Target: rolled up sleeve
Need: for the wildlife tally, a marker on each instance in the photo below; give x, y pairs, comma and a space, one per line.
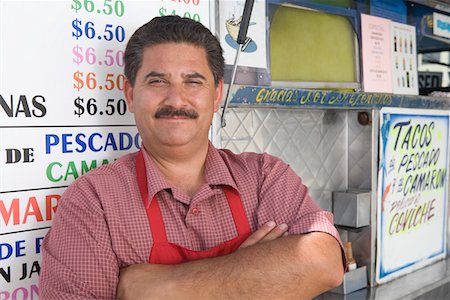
77, 258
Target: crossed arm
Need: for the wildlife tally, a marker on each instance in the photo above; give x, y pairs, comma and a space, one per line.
269, 265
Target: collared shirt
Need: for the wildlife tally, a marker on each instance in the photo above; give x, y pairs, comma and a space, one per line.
101, 224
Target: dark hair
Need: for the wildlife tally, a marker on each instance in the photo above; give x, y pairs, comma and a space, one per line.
170, 29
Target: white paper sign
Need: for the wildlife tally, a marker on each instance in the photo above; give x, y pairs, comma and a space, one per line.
376, 54
254, 52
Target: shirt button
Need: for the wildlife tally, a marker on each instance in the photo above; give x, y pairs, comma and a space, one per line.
195, 211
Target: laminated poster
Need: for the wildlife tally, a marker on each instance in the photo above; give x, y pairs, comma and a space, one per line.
412, 190
404, 59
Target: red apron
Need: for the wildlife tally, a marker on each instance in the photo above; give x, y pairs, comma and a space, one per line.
166, 253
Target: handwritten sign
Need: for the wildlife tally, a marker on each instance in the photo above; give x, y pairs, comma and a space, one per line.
263, 96
412, 190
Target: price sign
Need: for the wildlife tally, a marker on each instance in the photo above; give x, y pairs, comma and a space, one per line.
90, 107
109, 57
110, 82
109, 7
88, 30
66, 116
81, 57
197, 10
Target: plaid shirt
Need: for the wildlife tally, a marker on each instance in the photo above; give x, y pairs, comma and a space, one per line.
101, 223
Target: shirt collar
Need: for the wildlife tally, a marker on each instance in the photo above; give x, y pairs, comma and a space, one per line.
155, 180
216, 174
216, 170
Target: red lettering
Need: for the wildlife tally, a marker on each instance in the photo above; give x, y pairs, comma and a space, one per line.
51, 205
32, 210
13, 210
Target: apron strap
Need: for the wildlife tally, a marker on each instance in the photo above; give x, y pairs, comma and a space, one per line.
237, 210
152, 208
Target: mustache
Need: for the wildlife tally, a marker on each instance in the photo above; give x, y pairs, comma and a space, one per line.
172, 112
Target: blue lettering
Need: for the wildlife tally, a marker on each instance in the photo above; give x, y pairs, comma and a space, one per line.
91, 142
136, 141
80, 143
95, 142
66, 142
6, 250
443, 25
19, 247
50, 140
122, 137
9, 250
110, 142
38, 244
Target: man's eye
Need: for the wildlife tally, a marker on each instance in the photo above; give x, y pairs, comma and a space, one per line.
156, 81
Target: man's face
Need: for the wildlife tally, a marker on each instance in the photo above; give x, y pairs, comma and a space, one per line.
174, 96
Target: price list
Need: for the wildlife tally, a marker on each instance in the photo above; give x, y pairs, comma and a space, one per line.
62, 111
182, 10
98, 50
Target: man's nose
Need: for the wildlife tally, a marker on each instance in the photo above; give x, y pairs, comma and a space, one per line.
175, 95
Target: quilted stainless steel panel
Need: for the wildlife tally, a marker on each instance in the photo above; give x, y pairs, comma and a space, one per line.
313, 142
359, 152
328, 149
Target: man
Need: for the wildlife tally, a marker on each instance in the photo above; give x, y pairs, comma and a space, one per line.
182, 219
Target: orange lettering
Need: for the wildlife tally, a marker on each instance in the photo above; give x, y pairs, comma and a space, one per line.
32, 210
13, 210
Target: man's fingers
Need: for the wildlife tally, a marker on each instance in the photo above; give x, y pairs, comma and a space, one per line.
276, 232
259, 234
269, 231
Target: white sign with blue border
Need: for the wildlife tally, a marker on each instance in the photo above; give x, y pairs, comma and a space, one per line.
412, 190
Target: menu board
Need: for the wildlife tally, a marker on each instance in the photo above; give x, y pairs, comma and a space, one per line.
62, 111
412, 190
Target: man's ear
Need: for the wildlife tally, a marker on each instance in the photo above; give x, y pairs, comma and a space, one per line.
218, 95
128, 92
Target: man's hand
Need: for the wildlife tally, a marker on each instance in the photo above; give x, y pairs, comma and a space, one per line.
268, 232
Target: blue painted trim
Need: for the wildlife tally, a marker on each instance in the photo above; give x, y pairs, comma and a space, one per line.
266, 96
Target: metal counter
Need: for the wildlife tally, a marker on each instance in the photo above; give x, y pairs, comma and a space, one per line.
430, 283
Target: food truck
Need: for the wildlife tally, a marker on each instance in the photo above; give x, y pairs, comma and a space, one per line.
353, 94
